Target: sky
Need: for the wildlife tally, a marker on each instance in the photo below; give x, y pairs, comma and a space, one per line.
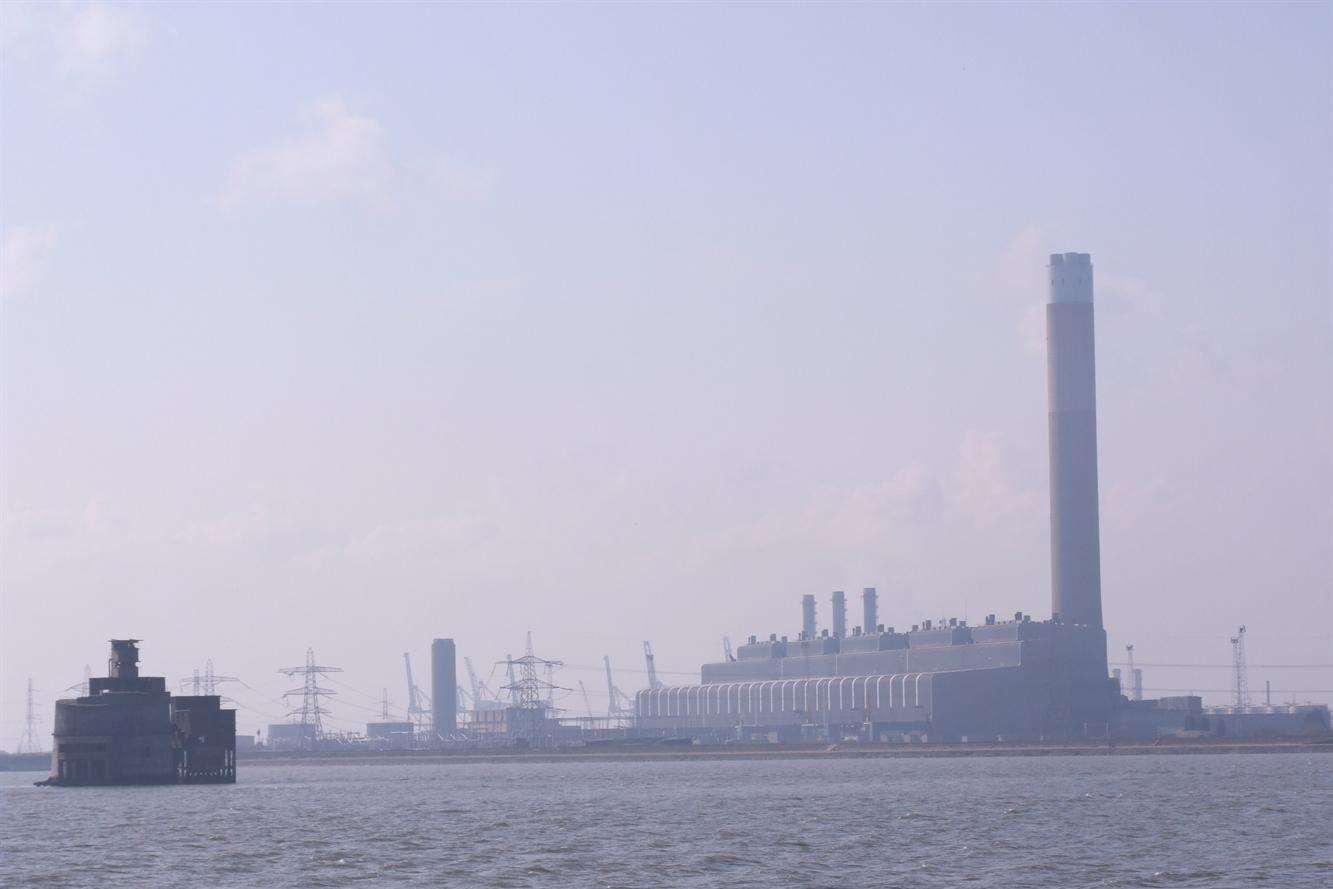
342, 327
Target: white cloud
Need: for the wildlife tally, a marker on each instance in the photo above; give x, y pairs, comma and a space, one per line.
459, 180
341, 155
60, 524
1124, 296
25, 254
982, 487
98, 39
1018, 271
345, 155
1018, 280
436, 535
84, 43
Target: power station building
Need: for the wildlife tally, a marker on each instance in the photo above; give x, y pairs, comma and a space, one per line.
945, 681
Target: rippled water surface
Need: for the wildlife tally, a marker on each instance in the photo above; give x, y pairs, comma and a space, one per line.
1079, 821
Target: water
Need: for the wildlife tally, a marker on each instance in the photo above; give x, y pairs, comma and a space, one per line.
1060, 821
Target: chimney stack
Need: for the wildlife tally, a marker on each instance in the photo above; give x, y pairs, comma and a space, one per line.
1076, 586
808, 616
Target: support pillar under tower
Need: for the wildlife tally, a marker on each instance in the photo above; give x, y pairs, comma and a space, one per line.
1076, 586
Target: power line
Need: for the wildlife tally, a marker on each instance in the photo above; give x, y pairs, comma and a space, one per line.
1285, 691
1231, 666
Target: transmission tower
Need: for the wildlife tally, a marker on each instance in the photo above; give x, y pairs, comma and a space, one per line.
206, 682
310, 714
532, 695
82, 688
653, 681
29, 742
1240, 681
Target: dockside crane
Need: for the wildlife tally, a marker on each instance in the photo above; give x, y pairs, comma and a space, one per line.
619, 704
481, 692
653, 681
418, 714
587, 702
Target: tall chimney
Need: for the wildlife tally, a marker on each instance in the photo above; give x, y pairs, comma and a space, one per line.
870, 609
808, 616
443, 688
839, 614
1071, 386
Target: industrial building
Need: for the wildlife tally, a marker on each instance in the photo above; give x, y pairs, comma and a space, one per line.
129, 730
945, 681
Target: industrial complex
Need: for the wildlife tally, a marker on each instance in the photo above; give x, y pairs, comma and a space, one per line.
1015, 678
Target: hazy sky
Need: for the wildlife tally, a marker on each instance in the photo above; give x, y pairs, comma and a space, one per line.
345, 327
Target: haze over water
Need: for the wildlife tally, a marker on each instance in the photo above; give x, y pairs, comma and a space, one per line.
349, 326
1216, 821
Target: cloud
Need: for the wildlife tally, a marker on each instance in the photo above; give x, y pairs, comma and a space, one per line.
84, 43
459, 180
1120, 295
61, 524
983, 489
98, 39
341, 155
436, 535
1017, 278
979, 490
25, 254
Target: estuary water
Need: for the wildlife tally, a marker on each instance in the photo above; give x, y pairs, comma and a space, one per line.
1210, 820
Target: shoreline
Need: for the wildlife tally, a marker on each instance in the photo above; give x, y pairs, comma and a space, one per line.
744, 753
768, 752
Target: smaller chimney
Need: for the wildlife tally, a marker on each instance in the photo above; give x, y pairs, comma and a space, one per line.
839, 614
808, 616
870, 608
